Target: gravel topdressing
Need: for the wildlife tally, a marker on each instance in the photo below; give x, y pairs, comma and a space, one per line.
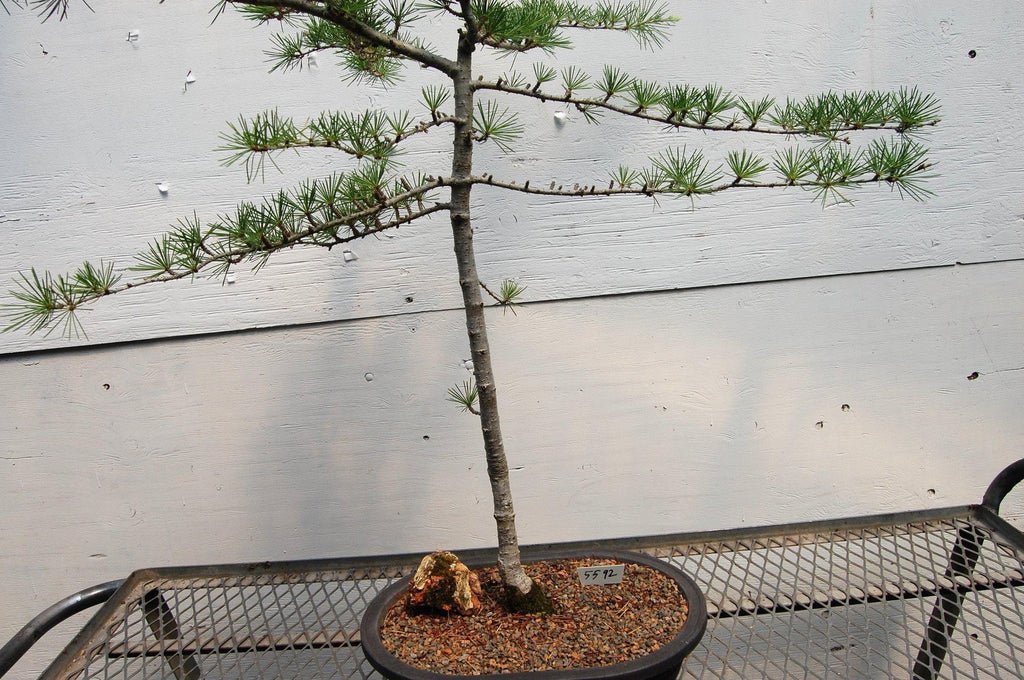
592, 625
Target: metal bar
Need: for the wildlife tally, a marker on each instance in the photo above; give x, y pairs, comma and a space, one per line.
1003, 533
75, 656
23, 640
898, 592
396, 565
946, 612
238, 645
1011, 476
161, 621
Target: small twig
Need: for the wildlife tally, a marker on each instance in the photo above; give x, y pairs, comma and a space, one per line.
491, 293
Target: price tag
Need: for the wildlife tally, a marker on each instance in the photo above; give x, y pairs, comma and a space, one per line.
601, 574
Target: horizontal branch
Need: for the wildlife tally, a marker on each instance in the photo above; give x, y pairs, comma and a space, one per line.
238, 255
578, 191
384, 226
658, 111
46, 301
372, 135
329, 11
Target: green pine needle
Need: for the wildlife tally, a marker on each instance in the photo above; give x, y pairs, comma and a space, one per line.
680, 101
497, 124
903, 163
465, 395
685, 174
644, 94
613, 82
515, 80
46, 302
625, 177
713, 103
755, 110
510, 291
793, 164
91, 281
542, 73
745, 166
573, 79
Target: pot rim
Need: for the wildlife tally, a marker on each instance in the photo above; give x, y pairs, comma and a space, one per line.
668, 655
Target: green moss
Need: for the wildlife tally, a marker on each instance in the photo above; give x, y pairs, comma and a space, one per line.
533, 602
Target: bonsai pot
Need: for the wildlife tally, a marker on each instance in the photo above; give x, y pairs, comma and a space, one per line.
662, 664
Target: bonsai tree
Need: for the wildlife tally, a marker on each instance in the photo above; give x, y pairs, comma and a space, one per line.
376, 40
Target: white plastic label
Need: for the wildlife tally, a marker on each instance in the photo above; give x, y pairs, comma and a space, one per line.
601, 574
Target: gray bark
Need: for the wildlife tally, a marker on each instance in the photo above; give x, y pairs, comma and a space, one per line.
509, 565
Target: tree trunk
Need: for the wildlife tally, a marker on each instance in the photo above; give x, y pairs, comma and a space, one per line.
520, 587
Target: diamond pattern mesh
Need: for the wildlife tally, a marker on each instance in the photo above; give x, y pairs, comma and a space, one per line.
851, 603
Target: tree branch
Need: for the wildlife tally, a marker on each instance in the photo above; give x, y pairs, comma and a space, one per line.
46, 300
237, 255
472, 26
644, 190
425, 125
328, 12
373, 231
491, 293
585, 104
372, 134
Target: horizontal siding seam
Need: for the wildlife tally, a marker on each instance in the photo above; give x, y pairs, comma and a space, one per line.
22, 354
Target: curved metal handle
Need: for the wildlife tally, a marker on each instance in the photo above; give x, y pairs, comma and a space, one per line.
50, 617
1003, 484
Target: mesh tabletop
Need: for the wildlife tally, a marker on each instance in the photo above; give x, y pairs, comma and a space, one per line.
850, 599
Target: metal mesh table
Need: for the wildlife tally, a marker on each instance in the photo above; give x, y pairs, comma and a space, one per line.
934, 594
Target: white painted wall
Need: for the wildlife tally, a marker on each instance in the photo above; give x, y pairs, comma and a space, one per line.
624, 415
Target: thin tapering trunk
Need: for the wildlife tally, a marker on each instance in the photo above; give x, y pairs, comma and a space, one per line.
509, 564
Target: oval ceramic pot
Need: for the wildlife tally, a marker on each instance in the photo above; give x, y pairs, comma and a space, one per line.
663, 664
